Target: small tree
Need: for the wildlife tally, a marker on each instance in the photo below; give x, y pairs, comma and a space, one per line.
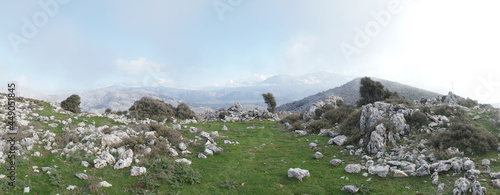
270, 101
72, 104
108, 110
372, 91
184, 112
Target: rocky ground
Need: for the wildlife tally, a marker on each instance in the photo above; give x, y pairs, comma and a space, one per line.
75, 152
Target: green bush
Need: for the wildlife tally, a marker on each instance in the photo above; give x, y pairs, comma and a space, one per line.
72, 104
397, 100
318, 112
153, 109
466, 137
223, 114
173, 136
350, 127
291, 118
108, 110
417, 118
164, 170
184, 112
469, 103
372, 91
444, 110
270, 101
338, 115
316, 126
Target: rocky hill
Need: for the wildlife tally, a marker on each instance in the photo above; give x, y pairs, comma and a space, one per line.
349, 92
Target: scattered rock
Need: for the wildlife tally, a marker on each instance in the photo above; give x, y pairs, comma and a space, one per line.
71, 187
202, 156
224, 128
339, 140
350, 189
104, 184
26, 190
468, 165
298, 173
477, 189
353, 168
300, 133
172, 152
318, 155
82, 176
381, 171
336, 162
85, 163
399, 173
496, 183
462, 186
183, 160
440, 187
136, 171
182, 146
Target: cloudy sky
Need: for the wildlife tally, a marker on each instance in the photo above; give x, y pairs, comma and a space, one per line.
68, 45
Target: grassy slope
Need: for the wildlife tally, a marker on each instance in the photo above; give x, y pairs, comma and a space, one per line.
260, 162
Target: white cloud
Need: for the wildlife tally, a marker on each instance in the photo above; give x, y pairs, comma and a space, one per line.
299, 54
248, 81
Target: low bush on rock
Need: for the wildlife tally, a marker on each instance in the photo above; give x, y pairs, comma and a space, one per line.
417, 118
338, 115
350, 127
466, 137
184, 112
316, 126
165, 170
469, 103
291, 118
173, 136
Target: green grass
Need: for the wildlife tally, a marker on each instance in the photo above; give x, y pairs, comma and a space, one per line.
258, 165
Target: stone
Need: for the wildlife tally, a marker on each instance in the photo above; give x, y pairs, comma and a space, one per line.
176, 127
298, 173
109, 140
136, 171
37, 154
26, 190
313, 146
443, 167
422, 171
193, 130
318, 155
377, 141
182, 146
104, 184
110, 159
461, 186
208, 152
125, 159
468, 165
172, 152
214, 148
350, 189
335, 162
224, 128
477, 189
399, 173
339, 140
369, 163
435, 178
486, 163
495, 175
85, 163
381, 171
202, 156
71, 187
353, 168
183, 160
496, 183
300, 133
82, 176
399, 122
440, 187
214, 134
99, 163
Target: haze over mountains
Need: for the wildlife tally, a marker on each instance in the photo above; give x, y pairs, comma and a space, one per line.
286, 88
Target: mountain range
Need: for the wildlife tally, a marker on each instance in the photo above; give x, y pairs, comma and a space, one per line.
350, 93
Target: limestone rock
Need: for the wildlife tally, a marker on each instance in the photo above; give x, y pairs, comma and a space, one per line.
462, 186
82, 176
350, 189
318, 155
136, 171
381, 171
339, 140
183, 160
182, 146
224, 128
104, 184
336, 162
298, 173
353, 168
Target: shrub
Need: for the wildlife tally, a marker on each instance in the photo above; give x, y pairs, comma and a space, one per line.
318, 112
172, 135
316, 126
467, 103
270, 101
291, 118
151, 108
72, 104
165, 170
338, 115
108, 110
350, 127
417, 118
372, 91
403, 101
444, 110
223, 114
184, 112
466, 137
66, 138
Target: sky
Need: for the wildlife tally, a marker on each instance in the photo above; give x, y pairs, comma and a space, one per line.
56, 46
